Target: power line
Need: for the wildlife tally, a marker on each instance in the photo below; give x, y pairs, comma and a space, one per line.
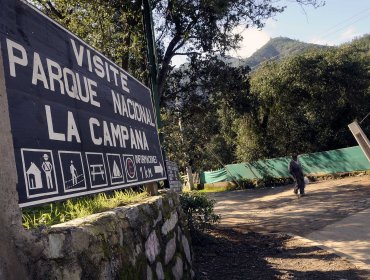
333, 30
330, 31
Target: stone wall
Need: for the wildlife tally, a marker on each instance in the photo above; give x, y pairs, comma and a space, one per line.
142, 241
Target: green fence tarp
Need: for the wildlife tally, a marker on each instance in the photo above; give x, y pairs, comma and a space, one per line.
335, 161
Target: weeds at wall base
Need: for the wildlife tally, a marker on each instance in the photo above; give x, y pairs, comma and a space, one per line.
60, 212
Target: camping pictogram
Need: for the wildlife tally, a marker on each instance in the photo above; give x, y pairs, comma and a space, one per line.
115, 169
116, 172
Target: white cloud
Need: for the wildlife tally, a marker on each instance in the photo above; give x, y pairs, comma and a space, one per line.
177, 60
321, 41
253, 39
349, 34
336, 37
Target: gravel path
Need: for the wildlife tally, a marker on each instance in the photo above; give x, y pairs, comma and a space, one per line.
279, 210
232, 254
252, 241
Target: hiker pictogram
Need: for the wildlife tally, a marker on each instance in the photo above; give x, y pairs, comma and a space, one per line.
72, 170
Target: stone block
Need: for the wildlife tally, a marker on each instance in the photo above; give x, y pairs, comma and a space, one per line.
55, 248
121, 212
138, 250
145, 229
170, 202
177, 269
170, 223
105, 272
149, 273
159, 271
120, 233
179, 234
186, 247
152, 247
192, 274
96, 252
132, 216
159, 219
170, 250
159, 203
177, 199
147, 209
80, 240
105, 222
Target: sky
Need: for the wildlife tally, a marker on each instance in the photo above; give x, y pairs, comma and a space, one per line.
337, 22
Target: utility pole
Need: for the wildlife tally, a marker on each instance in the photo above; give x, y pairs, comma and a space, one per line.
153, 69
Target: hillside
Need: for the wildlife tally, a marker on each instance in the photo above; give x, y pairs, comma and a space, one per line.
362, 43
278, 48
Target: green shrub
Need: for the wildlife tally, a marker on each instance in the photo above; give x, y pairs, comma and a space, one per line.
199, 210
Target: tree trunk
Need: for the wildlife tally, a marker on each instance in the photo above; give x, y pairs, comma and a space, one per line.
190, 177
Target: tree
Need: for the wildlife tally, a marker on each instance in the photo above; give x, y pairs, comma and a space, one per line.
183, 27
202, 100
113, 27
304, 103
194, 28
201, 30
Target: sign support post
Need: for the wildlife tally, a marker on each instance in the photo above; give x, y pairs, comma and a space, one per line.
10, 214
153, 67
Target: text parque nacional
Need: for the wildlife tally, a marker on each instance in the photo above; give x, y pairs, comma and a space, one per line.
55, 78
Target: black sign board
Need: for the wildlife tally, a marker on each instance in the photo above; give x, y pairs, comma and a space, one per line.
173, 175
80, 124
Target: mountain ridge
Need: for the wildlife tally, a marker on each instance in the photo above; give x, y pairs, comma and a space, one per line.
277, 48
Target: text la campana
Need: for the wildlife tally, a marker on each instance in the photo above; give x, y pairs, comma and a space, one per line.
84, 89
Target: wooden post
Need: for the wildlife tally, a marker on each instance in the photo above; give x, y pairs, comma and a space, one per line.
11, 229
151, 188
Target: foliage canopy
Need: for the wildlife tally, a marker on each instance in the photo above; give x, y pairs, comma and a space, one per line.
300, 104
186, 27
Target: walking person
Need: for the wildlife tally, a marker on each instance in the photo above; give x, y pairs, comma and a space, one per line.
295, 169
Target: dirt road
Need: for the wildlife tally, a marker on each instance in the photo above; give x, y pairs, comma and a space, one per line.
251, 242
279, 210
